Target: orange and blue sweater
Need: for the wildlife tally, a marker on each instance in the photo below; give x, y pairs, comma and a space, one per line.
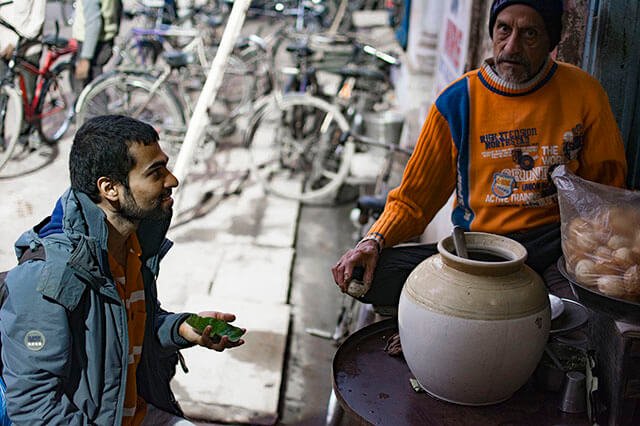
496, 144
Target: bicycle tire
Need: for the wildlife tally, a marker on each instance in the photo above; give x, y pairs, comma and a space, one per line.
11, 114
133, 94
305, 146
235, 92
54, 111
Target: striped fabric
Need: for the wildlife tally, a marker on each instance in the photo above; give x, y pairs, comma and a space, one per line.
496, 143
131, 289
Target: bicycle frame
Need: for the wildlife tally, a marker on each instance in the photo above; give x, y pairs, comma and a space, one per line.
52, 55
21, 63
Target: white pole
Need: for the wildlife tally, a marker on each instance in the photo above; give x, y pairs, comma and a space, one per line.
200, 118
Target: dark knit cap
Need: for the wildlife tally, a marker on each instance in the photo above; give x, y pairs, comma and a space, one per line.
550, 10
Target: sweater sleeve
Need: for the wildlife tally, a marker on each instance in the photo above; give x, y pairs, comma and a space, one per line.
427, 183
603, 158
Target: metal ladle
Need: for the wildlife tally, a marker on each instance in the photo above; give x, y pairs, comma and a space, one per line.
459, 242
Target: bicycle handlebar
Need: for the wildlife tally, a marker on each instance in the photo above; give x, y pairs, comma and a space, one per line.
374, 142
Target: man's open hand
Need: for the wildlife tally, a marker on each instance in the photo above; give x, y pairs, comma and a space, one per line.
215, 342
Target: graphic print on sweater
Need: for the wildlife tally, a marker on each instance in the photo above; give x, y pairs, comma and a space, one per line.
526, 182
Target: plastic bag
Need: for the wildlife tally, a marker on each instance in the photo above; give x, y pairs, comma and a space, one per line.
600, 227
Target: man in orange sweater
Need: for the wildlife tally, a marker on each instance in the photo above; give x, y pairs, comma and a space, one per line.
495, 135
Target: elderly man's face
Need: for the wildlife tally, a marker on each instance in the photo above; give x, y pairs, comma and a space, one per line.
520, 43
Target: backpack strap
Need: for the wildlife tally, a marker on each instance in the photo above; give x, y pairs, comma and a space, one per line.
37, 254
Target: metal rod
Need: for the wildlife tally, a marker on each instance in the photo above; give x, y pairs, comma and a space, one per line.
459, 242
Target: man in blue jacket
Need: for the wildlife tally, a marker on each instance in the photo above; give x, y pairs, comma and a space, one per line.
84, 339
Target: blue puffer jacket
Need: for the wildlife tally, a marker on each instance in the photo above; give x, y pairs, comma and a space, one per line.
64, 327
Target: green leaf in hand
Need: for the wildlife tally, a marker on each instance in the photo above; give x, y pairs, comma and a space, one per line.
218, 327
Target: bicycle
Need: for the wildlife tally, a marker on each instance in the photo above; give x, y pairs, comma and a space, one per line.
157, 28
143, 47
298, 143
50, 110
308, 15
160, 100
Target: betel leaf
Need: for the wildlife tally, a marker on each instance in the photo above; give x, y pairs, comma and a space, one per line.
218, 327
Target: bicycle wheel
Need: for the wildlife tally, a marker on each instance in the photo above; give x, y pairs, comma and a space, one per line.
54, 111
296, 148
135, 95
235, 91
10, 122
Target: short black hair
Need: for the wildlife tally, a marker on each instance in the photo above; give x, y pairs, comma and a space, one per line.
101, 148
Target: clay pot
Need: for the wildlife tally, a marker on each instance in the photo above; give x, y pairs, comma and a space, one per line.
473, 331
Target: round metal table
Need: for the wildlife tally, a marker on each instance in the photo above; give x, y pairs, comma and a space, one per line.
373, 388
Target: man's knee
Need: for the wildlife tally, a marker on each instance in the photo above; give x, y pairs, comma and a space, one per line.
393, 269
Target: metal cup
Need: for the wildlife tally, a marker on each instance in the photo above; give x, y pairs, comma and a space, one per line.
574, 393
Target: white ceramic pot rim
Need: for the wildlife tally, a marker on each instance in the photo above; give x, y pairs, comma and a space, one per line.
498, 245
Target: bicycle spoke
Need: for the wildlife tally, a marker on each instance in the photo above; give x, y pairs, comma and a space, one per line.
298, 140
55, 107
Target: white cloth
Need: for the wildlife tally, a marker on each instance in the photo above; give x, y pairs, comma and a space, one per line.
27, 16
158, 417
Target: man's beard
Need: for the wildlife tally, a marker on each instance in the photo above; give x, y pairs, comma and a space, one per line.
130, 210
512, 76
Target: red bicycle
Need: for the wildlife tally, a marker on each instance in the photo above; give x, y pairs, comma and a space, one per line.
50, 110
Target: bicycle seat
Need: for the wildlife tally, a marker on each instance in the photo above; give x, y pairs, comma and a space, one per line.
362, 72
51, 40
372, 203
178, 59
301, 49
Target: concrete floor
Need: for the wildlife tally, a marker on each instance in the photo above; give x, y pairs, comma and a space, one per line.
324, 233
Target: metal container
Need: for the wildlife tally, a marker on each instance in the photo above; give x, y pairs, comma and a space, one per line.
384, 126
618, 309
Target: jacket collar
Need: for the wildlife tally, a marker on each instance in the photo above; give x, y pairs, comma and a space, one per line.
82, 223
78, 217
492, 81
